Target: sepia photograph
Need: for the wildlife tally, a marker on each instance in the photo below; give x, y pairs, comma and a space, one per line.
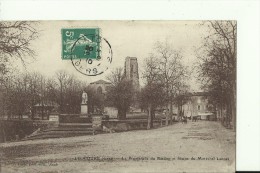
118, 96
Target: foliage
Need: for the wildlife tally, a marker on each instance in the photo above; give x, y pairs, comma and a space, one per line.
165, 67
116, 76
121, 93
121, 96
217, 66
15, 43
69, 92
153, 93
22, 92
95, 99
16, 38
165, 77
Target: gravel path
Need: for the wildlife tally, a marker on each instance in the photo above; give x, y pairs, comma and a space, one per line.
194, 147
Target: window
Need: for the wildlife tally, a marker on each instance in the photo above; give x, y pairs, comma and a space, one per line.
99, 90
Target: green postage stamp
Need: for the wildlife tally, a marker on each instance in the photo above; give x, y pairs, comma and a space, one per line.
81, 43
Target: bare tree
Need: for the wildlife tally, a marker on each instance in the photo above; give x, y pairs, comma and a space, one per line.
121, 93
70, 90
19, 92
153, 94
62, 78
217, 66
165, 79
73, 94
181, 98
116, 76
95, 99
35, 90
171, 71
15, 43
16, 38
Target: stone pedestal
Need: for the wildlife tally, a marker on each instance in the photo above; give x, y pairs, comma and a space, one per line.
54, 119
97, 123
84, 109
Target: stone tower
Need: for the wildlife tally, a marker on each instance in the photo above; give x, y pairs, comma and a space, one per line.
131, 71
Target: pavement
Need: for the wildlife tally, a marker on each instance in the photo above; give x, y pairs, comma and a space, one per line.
203, 146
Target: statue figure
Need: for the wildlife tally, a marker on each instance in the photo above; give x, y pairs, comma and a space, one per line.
84, 98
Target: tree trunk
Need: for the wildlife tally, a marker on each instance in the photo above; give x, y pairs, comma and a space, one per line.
4, 135
221, 112
181, 111
171, 111
167, 117
178, 112
233, 106
32, 111
121, 114
61, 98
149, 120
42, 111
151, 116
229, 111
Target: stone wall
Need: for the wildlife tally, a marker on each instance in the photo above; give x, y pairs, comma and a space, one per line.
13, 130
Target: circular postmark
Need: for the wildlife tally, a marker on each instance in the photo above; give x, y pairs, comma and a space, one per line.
102, 55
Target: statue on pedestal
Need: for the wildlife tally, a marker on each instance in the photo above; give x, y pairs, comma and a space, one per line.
84, 103
84, 98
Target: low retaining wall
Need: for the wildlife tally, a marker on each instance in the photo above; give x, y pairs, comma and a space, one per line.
44, 124
126, 125
14, 130
74, 118
11, 130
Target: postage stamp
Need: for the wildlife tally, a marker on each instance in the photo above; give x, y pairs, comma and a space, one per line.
81, 43
83, 46
126, 96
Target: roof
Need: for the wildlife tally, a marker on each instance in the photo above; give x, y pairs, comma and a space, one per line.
100, 82
133, 58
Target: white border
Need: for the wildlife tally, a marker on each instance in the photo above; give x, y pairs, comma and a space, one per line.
245, 12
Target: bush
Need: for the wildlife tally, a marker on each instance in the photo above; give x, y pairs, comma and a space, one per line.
9, 129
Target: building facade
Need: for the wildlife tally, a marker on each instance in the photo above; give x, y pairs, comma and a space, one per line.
197, 104
100, 86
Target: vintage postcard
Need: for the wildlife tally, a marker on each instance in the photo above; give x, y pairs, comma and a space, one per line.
118, 96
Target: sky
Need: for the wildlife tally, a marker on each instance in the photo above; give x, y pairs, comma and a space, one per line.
127, 38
